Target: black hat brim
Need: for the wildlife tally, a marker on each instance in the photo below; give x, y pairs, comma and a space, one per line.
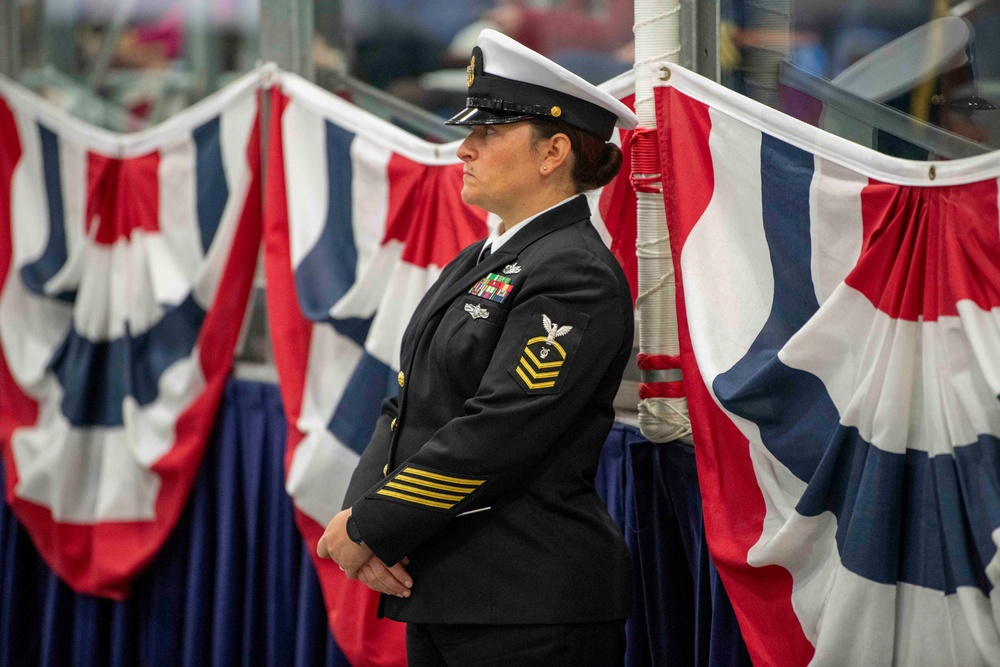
477, 116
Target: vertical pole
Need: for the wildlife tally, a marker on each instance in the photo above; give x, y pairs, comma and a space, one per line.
770, 21
200, 46
10, 38
663, 410
286, 32
700, 37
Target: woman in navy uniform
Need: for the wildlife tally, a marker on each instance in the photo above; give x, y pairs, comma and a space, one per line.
473, 508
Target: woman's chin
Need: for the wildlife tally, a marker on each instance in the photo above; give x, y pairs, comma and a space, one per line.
469, 195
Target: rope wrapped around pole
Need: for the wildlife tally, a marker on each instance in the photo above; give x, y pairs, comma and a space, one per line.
663, 414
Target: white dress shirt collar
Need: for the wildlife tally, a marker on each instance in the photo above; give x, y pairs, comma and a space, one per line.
495, 240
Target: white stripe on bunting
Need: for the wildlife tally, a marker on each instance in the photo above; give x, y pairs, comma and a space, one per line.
736, 199
834, 197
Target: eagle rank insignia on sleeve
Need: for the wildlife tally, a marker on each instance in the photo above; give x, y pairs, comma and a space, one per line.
543, 358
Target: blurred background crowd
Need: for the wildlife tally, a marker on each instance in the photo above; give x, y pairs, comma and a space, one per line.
126, 64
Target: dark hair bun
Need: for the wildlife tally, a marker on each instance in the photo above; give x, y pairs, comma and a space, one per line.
596, 161
602, 171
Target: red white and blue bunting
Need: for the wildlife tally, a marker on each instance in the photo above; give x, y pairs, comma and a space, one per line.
840, 326
125, 268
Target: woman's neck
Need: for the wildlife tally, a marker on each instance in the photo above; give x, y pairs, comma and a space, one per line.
525, 209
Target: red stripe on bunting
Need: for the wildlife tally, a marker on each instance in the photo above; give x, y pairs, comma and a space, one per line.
79, 553
920, 270
419, 197
684, 152
122, 195
291, 332
733, 506
18, 409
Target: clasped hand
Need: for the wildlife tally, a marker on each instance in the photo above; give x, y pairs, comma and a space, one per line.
358, 561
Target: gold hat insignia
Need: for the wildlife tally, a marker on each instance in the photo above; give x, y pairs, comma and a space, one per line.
470, 72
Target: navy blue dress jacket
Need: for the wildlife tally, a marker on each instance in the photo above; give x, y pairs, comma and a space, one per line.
481, 470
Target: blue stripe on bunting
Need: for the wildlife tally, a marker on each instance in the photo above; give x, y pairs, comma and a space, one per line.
328, 271
910, 517
975, 470
96, 377
353, 422
38, 273
759, 383
900, 517
354, 328
210, 176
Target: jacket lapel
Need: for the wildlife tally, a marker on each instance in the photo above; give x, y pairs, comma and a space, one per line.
466, 276
425, 310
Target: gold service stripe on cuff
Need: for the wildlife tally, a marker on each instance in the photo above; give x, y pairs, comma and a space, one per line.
433, 485
424, 492
414, 499
443, 478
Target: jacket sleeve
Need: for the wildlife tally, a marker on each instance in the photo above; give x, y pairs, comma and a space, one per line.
564, 334
369, 470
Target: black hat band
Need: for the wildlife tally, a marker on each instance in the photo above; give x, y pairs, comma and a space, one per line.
511, 107
508, 96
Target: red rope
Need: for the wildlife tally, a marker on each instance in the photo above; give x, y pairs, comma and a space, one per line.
657, 362
661, 390
645, 160
645, 151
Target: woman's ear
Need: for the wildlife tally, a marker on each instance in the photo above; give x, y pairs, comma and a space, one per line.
557, 150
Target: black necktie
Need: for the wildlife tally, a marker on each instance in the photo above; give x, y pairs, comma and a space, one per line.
486, 252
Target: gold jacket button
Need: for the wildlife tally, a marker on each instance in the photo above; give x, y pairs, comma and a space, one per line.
385, 470
401, 378
392, 424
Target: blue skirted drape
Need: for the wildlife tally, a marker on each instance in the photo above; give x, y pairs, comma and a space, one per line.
234, 586
680, 612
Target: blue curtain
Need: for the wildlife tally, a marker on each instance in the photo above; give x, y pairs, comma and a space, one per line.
680, 612
234, 586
